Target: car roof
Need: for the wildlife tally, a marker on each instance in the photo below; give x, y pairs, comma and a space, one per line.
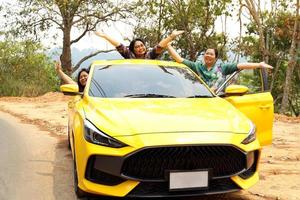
137, 62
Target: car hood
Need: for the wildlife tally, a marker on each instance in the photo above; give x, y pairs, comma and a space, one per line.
132, 116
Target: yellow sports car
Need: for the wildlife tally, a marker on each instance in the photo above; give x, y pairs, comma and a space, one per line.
149, 128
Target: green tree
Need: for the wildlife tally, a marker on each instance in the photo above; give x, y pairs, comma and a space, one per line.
34, 17
292, 62
196, 17
25, 70
277, 28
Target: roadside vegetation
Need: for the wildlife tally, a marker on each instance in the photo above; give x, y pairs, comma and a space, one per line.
268, 30
25, 69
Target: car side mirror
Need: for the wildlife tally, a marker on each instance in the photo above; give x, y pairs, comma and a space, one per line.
236, 90
70, 89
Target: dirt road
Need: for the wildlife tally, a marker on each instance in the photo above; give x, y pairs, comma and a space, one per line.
36, 164
33, 164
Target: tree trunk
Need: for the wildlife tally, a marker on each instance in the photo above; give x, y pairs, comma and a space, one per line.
255, 13
291, 65
66, 57
278, 63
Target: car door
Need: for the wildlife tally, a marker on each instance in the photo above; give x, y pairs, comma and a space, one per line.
256, 104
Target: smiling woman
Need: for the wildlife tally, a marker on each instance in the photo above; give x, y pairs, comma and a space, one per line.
81, 78
213, 74
137, 48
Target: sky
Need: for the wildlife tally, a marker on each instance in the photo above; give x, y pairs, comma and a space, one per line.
120, 30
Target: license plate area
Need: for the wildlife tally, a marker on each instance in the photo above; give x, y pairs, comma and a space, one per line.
188, 180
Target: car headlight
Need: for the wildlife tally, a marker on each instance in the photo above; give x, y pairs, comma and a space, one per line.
95, 136
251, 135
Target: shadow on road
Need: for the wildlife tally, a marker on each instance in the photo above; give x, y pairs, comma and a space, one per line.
63, 171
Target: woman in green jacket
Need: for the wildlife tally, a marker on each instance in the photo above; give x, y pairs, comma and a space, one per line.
213, 74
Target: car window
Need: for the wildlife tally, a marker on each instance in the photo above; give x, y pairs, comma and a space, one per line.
145, 81
254, 79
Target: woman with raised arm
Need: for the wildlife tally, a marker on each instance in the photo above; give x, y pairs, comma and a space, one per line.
137, 48
212, 73
81, 78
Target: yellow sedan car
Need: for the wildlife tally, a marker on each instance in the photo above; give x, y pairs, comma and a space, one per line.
149, 128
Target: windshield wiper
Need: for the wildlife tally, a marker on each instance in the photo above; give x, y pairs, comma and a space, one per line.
149, 96
200, 96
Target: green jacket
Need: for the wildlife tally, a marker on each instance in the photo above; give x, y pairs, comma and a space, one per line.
216, 75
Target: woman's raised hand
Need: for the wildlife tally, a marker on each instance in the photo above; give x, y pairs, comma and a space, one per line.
58, 66
100, 34
265, 65
175, 33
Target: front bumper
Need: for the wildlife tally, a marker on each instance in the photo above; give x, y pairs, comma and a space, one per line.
143, 173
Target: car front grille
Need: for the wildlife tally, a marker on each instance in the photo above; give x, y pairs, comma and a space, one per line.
153, 163
161, 189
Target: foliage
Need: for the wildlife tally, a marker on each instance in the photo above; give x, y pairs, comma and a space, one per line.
251, 79
278, 30
38, 18
157, 18
25, 70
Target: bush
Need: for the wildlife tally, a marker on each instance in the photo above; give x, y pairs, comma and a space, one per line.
25, 69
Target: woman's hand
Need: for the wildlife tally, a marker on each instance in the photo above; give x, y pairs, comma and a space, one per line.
213, 88
58, 66
175, 33
100, 34
265, 65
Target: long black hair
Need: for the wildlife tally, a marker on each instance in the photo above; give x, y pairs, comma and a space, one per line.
80, 86
132, 43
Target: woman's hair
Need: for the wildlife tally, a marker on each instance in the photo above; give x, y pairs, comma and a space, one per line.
216, 51
131, 45
80, 86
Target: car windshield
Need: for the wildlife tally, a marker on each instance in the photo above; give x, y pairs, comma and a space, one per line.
146, 81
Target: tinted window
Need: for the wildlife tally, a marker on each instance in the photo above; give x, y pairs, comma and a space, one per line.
252, 78
145, 81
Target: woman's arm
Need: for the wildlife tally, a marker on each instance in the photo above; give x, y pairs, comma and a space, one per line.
108, 38
254, 65
174, 54
164, 42
62, 75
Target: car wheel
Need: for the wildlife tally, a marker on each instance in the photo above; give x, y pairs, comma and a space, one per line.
69, 142
79, 192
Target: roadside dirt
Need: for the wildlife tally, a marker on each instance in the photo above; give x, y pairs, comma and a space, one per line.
279, 166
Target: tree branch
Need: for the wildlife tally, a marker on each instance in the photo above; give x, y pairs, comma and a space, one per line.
89, 56
81, 36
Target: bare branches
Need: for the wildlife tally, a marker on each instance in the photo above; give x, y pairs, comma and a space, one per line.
35, 17
82, 35
89, 56
256, 16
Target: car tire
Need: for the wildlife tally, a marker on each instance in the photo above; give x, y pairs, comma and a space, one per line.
69, 142
79, 192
